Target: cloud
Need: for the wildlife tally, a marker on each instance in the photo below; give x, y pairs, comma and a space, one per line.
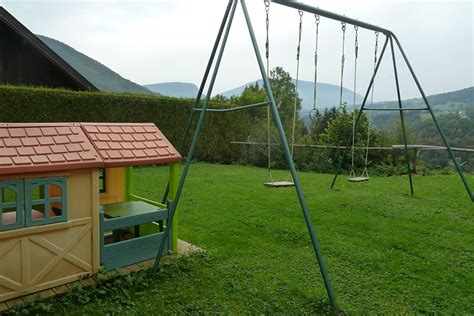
170, 40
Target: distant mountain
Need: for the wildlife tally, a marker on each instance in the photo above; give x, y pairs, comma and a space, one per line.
327, 95
460, 102
174, 89
99, 75
459, 96
443, 101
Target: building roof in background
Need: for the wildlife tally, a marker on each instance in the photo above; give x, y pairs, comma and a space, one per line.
47, 147
45, 50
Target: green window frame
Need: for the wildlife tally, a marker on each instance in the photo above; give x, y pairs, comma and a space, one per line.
17, 187
44, 200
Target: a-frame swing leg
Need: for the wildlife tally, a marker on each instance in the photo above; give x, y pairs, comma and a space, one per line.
299, 191
361, 110
402, 119
284, 143
189, 157
189, 124
441, 133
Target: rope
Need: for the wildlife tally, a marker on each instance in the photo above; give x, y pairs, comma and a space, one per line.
314, 112
342, 61
267, 55
366, 171
298, 50
356, 55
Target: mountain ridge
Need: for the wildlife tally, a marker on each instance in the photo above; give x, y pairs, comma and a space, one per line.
327, 96
176, 89
102, 77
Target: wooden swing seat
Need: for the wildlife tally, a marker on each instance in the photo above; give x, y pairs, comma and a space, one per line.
358, 179
279, 184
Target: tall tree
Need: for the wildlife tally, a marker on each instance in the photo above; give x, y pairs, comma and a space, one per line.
285, 93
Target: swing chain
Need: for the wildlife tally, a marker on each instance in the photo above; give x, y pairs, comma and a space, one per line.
314, 114
267, 55
343, 42
298, 50
317, 20
376, 47
356, 28
366, 162
356, 51
343, 58
267, 21
300, 12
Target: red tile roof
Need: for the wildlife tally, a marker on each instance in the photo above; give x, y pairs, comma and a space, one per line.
40, 147
26, 148
125, 144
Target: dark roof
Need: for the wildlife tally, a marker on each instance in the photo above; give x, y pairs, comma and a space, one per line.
46, 147
45, 50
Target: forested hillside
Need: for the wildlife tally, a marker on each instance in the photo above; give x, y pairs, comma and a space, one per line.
98, 74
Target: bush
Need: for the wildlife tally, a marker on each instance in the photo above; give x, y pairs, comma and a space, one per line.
25, 104
445, 171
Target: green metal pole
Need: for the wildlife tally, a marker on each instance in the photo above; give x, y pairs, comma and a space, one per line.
128, 183
441, 133
194, 142
402, 119
173, 185
349, 140
237, 108
299, 191
187, 130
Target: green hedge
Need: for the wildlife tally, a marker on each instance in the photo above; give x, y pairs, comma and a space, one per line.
25, 104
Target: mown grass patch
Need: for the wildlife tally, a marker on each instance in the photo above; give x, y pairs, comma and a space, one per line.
386, 251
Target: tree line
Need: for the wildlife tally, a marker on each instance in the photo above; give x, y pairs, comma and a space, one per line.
332, 127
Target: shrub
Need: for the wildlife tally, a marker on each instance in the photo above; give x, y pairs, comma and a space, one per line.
25, 104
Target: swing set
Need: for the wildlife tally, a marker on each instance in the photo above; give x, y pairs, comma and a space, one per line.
219, 47
314, 112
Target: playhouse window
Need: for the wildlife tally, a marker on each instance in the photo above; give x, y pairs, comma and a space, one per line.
102, 180
45, 201
11, 204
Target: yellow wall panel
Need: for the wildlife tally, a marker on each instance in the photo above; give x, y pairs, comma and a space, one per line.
114, 187
37, 258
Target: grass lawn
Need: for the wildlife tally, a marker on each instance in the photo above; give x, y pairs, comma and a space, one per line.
386, 251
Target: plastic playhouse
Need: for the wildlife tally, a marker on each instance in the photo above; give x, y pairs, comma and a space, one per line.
67, 203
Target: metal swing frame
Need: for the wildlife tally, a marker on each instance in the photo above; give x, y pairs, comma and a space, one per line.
389, 37
221, 40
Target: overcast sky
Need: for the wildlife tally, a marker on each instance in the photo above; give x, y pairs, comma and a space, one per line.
170, 40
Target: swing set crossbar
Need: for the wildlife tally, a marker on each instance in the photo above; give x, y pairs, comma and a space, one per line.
238, 108
331, 15
397, 110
